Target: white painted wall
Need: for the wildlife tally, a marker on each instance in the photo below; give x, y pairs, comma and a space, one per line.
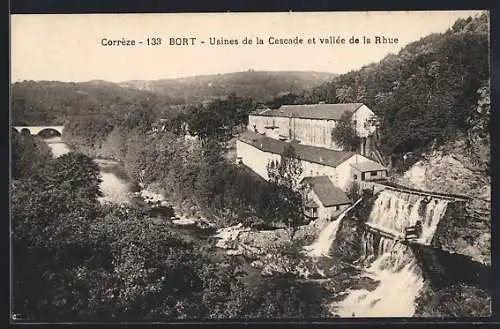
255, 158
316, 169
310, 131
344, 171
314, 132
362, 116
260, 122
258, 160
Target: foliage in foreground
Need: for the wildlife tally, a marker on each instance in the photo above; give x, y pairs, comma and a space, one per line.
458, 300
75, 260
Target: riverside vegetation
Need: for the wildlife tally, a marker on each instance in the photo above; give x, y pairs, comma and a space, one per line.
75, 258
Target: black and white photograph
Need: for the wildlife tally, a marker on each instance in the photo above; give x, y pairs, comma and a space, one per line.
291, 166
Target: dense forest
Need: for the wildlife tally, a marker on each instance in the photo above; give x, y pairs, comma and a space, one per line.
191, 172
52, 102
78, 260
432, 91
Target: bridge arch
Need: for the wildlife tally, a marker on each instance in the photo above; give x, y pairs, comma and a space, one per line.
25, 131
49, 132
40, 130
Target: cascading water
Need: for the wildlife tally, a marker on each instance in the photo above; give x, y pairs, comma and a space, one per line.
390, 263
321, 246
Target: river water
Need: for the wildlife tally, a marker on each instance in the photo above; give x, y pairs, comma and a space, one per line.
392, 265
114, 189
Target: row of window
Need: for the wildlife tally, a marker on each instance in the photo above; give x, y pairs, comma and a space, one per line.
313, 212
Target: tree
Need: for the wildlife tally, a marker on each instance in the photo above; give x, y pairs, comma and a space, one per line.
353, 190
344, 133
285, 175
29, 156
51, 218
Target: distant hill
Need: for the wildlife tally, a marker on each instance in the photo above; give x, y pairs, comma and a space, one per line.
258, 85
52, 102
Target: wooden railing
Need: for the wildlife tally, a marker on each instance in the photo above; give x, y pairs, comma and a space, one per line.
410, 190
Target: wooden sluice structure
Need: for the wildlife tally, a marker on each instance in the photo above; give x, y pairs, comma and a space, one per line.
412, 233
409, 190
396, 236
380, 231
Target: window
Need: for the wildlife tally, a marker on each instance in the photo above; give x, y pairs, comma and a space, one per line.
311, 212
373, 173
355, 176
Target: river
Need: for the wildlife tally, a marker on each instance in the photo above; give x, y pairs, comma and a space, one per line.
113, 188
392, 266
116, 189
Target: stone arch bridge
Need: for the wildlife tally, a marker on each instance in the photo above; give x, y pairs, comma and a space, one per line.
36, 130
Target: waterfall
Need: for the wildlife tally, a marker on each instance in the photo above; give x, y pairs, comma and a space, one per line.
393, 211
321, 247
390, 263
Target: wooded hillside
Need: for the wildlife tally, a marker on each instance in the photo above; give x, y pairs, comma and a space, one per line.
52, 102
432, 90
259, 85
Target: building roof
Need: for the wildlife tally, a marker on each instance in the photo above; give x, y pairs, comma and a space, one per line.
308, 153
327, 193
313, 111
368, 165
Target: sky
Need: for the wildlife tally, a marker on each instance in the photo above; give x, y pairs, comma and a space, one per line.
69, 47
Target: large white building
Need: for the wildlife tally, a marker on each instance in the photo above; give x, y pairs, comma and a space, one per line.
312, 124
326, 169
256, 151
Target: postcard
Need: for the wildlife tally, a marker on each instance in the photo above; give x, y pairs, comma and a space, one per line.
290, 166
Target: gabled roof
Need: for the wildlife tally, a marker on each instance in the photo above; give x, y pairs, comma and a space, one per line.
368, 165
308, 153
313, 111
327, 193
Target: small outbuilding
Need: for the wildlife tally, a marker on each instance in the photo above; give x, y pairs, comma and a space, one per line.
324, 199
368, 170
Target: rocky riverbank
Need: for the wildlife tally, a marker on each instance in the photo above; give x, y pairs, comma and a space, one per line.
271, 251
146, 198
465, 229
450, 169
